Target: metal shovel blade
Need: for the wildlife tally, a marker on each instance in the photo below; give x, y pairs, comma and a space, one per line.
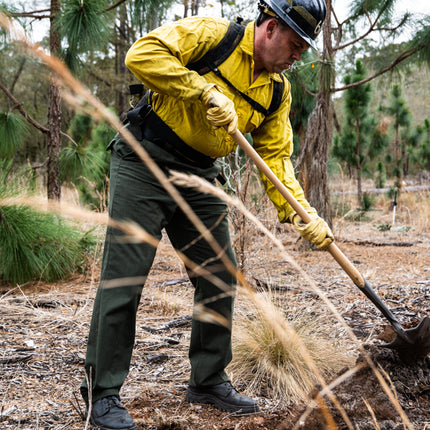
412, 344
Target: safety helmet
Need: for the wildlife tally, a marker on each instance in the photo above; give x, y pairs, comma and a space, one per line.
305, 17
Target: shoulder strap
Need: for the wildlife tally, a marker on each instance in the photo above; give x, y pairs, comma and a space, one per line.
217, 55
220, 52
278, 90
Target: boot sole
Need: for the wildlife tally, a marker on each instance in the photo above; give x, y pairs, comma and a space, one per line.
98, 427
218, 403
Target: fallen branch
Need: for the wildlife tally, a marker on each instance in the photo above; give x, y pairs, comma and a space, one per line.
409, 189
178, 322
17, 359
370, 243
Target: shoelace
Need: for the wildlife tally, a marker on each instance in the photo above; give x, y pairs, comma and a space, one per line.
112, 401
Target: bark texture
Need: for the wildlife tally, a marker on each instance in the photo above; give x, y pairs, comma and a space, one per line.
54, 114
313, 156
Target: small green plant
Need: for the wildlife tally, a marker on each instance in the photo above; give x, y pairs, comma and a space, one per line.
384, 227
381, 175
392, 192
86, 164
367, 202
357, 215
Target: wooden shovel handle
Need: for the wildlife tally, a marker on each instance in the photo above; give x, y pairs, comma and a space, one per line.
337, 254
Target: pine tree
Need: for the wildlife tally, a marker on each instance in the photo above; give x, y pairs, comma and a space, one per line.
360, 140
424, 151
365, 19
404, 140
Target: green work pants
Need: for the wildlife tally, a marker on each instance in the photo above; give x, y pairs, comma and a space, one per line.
135, 195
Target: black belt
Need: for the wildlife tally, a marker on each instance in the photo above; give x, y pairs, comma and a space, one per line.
157, 131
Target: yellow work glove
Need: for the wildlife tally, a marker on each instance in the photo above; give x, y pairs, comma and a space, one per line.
317, 231
220, 109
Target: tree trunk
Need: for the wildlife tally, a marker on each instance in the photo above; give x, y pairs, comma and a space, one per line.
122, 69
359, 188
54, 114
313, 155
195, 4
399, 169
357, 151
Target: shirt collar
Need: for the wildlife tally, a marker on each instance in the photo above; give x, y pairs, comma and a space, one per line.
247, 46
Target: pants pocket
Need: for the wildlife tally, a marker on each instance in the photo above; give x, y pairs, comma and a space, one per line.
122, 148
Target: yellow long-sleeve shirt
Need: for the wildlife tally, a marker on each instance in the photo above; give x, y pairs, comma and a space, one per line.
159, 60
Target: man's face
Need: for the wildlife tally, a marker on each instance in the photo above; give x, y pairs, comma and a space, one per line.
283, 47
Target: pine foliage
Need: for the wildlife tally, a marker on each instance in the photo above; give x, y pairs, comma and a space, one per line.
149, 14
422, 40
424, 153
83, 24
13, 130
37, 246
86, 164
361, 139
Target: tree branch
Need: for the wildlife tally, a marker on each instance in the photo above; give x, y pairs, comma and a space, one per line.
33, 14
403, 56
309, 93
69, 138
34, 123
18, 73
18, 105
114, 6
371, 28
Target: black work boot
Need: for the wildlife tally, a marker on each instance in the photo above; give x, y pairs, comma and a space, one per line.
108, 414
223, 396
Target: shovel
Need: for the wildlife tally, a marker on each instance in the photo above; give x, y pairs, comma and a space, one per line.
413, 344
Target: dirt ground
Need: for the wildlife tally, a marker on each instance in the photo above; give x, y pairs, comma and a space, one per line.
43, 329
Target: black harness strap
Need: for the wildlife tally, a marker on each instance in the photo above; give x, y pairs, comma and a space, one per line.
221, 52
216, 56
278, 90
276, 96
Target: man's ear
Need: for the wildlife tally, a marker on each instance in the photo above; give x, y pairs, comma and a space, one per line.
272, 24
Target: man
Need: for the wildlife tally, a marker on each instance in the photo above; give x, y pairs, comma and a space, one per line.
186, 129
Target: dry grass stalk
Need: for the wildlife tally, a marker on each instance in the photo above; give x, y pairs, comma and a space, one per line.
266, 358
194, 181
372, 413
81, 98
166, 304
134, 232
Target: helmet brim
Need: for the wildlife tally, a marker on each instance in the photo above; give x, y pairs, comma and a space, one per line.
299, 31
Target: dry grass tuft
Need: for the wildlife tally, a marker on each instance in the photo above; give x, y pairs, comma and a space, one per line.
163, 303
273, 366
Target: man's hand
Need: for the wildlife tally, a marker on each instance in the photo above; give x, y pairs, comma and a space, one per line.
317, 231
220, 109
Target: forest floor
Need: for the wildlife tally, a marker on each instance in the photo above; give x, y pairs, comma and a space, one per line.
43, 329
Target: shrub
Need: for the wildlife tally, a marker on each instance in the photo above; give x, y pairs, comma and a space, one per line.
367, 202
37, 245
